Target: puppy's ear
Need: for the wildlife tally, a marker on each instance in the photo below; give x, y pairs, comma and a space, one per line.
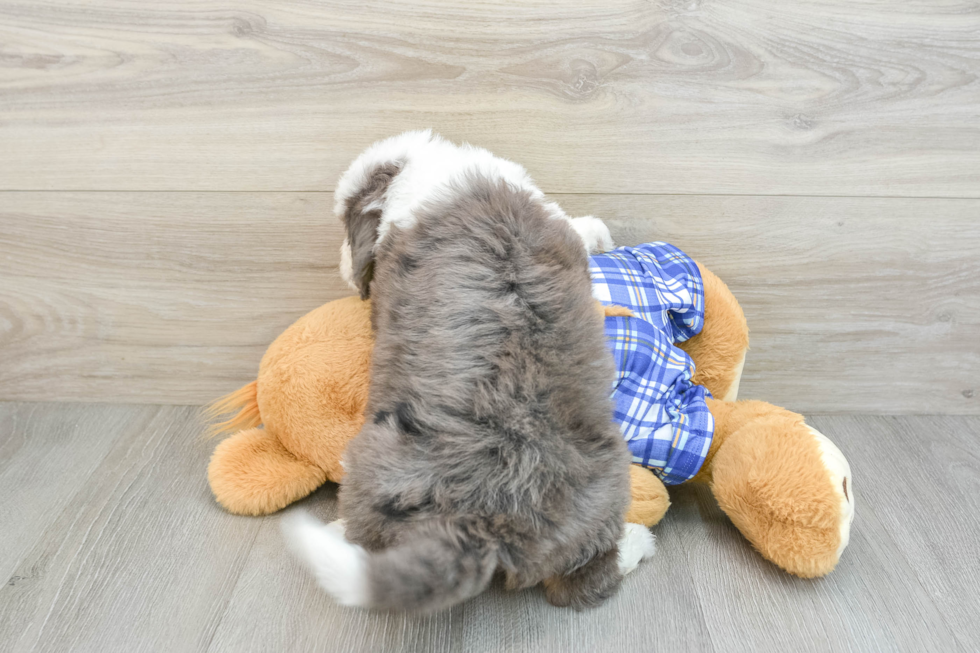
362, 234
362, 216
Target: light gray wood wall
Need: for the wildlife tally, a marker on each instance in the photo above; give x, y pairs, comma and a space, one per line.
165, 171
867, 97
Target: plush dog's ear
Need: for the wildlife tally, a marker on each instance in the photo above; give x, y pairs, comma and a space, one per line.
362, 216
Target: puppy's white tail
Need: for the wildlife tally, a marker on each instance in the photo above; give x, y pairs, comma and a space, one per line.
339, 566
435, 567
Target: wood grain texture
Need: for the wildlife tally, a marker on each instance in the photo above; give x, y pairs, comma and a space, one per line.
750, 601
854, 304
923, 477
140, 558
743, 96
656, 608
272, 582
46, 454
496, 620
139, 297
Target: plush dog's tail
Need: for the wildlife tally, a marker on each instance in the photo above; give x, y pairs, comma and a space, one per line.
433, 569
243, 402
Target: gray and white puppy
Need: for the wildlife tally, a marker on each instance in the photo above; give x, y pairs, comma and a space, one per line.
489, 444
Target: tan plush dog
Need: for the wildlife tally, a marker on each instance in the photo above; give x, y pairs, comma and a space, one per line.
784, 485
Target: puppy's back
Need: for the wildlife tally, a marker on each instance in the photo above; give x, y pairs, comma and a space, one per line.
489, 291
489, 442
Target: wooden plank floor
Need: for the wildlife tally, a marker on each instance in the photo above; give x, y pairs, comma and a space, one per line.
112, 542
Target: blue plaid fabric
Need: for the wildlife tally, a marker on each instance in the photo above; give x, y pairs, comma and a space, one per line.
662, 415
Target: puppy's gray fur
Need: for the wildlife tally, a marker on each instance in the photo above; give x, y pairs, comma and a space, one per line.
489, 442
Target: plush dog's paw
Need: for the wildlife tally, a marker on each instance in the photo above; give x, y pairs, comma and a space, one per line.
637, 544
594, 233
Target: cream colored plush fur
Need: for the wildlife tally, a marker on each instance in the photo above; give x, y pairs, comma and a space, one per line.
309, 395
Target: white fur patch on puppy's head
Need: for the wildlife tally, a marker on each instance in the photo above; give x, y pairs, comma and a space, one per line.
396, 149
394, 178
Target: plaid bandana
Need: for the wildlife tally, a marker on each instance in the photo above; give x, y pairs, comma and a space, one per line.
662, 415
